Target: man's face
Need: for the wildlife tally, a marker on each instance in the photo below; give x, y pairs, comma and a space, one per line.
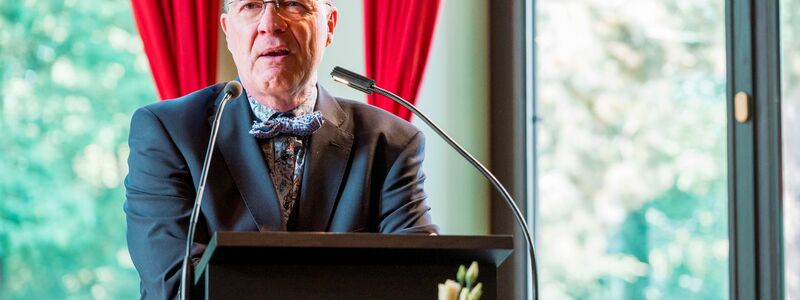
277, 52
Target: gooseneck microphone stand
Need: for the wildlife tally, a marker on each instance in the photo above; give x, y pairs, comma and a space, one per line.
368, 86
232, 90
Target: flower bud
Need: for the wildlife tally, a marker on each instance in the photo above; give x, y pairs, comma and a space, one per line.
461, 273
472, 274
464, 294
476, 292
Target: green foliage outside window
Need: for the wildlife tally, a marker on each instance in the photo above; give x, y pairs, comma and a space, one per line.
71, 74
790, 118
632, 149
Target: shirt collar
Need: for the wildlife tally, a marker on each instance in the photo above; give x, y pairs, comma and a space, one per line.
264, 113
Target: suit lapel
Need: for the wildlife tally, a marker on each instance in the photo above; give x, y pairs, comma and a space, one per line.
246, 163
326, 162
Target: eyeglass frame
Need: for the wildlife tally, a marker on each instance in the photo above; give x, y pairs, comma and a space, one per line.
266, 2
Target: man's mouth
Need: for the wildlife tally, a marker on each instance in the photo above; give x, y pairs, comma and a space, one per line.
275, 52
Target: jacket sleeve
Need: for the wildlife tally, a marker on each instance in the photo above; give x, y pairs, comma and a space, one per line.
159, 197
403, 205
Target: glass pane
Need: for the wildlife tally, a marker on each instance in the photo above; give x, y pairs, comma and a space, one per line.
71, 74
790, 116
632, 149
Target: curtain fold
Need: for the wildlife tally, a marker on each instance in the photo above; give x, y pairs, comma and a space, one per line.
398, 38
180, 40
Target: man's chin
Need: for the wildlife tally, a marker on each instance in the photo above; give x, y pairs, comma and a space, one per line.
275, 86
282, 81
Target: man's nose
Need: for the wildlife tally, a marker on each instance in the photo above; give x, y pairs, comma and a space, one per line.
271, 21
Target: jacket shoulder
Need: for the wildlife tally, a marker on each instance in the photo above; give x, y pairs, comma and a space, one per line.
371, 119
193, 103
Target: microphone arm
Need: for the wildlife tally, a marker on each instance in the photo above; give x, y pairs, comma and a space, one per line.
232, 90
368, 86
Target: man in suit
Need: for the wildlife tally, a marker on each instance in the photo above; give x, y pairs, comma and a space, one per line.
289, 156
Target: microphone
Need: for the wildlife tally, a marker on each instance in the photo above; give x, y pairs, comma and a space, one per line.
367, 85
232, 90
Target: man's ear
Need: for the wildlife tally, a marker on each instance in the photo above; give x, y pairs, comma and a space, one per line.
333, 16
223, 22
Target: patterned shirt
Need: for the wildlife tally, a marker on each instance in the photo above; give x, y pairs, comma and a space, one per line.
285, 155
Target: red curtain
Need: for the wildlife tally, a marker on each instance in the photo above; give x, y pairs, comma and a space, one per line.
180, 40
398, 39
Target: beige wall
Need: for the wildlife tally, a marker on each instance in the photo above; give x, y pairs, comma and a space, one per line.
454, 93
226, 70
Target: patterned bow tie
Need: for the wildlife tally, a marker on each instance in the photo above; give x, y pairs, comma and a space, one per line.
287, 124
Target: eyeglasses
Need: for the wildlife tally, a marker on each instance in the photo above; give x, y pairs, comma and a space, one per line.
252, 10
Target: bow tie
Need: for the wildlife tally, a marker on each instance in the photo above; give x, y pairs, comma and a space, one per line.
287, 124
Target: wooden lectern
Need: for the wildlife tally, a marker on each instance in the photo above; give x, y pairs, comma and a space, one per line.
253, 265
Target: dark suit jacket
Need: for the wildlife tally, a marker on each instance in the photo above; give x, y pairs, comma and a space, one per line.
362, 173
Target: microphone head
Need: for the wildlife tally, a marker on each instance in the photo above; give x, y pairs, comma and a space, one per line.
353, 80
233, 88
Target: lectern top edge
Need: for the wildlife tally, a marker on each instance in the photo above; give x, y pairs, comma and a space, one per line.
360, 240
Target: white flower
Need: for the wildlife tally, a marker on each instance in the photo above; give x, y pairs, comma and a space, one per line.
449, 290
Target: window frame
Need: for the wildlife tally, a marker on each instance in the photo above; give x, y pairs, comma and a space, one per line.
754, 147
754, 151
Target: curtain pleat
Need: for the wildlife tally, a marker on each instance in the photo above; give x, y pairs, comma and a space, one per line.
398, 37
180, 41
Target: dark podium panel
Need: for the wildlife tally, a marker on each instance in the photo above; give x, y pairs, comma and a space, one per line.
252, 265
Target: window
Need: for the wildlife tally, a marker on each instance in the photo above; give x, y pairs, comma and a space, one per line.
632, 153
72, 73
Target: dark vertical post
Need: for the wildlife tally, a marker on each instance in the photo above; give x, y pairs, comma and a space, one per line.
754, 150
767, 95
508, 150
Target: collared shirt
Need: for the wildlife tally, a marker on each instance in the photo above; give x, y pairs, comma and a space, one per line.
284, 154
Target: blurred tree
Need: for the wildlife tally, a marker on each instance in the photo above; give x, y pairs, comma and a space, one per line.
632, 149
790, 116
71, 74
